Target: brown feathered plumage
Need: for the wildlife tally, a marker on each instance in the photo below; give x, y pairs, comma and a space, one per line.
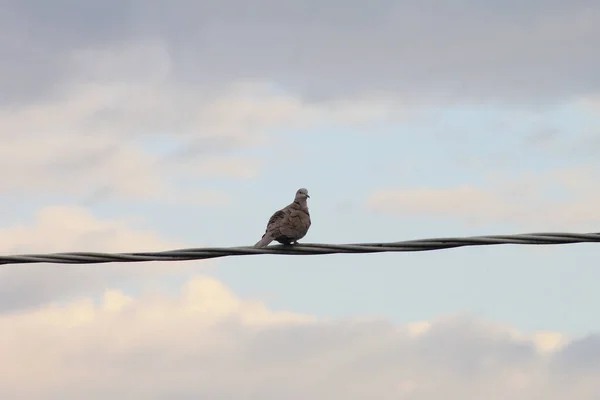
289, 224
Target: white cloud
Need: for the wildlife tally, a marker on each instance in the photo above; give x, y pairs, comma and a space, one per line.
591, 103
93, 141
131, 89
123, 127
76, 164
71, 228
558, 199
548, 342
62, 228
208, 343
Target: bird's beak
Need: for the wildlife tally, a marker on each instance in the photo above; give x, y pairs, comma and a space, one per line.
307, 196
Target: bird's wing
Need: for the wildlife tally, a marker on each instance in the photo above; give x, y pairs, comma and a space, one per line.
276, 218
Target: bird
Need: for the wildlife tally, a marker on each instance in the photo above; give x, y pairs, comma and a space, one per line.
289, 224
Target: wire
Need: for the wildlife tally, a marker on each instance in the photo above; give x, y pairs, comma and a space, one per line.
304, 249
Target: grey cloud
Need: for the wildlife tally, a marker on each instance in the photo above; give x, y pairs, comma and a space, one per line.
84, 162
580, 356
27, 286
543, 138
202, 146
569, 145
182, 354
535, 51
70, 228
37, 37
447, 343
586, 146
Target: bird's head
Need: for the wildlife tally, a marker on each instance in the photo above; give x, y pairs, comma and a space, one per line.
302, 194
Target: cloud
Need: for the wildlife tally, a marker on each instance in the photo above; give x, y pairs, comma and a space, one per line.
591, 103
58, 227
556, 199
101, 139
76, 165
206, 342
122, 127
543, 138
578, 145
541, 52
73, 228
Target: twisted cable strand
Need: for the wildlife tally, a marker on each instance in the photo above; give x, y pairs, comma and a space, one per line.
304, 249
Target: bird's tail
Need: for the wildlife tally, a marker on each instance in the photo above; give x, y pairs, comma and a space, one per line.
264, 241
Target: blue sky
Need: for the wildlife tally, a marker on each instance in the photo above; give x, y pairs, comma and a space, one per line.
532, 288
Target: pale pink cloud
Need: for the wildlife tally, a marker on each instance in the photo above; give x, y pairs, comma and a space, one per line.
66, 228
559, 199
206, 342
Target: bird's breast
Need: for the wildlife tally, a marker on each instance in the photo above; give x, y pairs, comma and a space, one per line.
300, 222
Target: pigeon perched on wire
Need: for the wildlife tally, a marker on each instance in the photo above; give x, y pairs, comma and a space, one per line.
289, 224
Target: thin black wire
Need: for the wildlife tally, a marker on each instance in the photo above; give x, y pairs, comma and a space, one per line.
304, 249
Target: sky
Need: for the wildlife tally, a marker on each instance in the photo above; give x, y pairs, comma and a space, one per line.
148, 125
